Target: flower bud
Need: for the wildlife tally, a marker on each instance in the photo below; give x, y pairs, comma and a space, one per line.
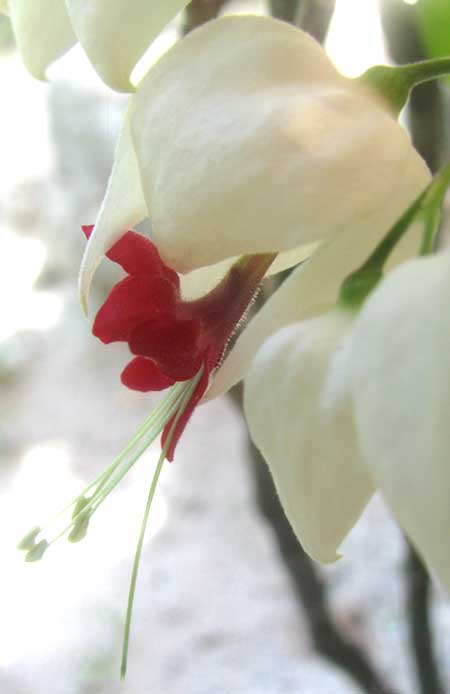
399, 373
301, 419
114, 35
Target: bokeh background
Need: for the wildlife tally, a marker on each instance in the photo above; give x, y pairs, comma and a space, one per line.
216, 609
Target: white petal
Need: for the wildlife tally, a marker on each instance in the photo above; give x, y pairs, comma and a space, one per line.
306, 436
122, 208
401, 385
43, 32
115, 34
314, 287
248, 141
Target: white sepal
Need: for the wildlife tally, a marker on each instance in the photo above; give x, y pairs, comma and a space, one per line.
115, 34
123, 207
304, 428
248, 141
43, 32
400, 375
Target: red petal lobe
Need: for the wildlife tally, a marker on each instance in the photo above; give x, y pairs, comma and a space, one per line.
172, 343
144, 375
130, 302
137, 255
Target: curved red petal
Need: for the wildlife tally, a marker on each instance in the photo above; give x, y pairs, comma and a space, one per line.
137, 255
87, 229
173, 344
185, 417
133, 300
144, 375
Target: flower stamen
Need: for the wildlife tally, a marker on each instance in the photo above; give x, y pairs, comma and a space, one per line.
37, 540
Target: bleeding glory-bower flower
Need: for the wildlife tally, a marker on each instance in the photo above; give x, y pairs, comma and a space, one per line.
173, 339
242, 145
311, 444
245, 139
115, 35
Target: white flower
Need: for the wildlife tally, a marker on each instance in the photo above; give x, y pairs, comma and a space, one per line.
337, 401
114, 34
398, 367
304, 427
244, 139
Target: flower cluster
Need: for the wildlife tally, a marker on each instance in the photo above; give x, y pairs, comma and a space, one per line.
359, 400
263, 149
248, 152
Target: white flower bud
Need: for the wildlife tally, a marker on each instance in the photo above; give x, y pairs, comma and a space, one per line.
301, 419
399, 369
114, 35
43, 32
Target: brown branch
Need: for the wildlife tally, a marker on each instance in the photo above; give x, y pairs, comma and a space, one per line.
421, 635
284, 9
314, 16
200, 11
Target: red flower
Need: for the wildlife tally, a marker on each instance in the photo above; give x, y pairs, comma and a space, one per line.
176, 343
171, 338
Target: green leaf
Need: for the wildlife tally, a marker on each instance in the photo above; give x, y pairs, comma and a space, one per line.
433, 23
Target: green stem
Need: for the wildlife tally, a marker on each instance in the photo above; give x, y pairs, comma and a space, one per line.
427, 207
394, 84
432, 224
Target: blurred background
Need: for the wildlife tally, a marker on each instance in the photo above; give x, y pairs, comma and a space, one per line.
226, 601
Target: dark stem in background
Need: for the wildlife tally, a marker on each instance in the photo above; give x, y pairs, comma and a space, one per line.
419, 594
284, 9
428, 113
200, 11
314, 16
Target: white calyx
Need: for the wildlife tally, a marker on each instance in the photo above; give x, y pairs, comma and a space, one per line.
244, 139
302, 421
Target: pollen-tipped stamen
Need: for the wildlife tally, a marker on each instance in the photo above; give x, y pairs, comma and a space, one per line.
85, 505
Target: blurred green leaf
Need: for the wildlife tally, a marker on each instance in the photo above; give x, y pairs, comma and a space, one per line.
433, 23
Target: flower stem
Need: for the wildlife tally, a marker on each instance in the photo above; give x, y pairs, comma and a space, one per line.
394, 84
426, 209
